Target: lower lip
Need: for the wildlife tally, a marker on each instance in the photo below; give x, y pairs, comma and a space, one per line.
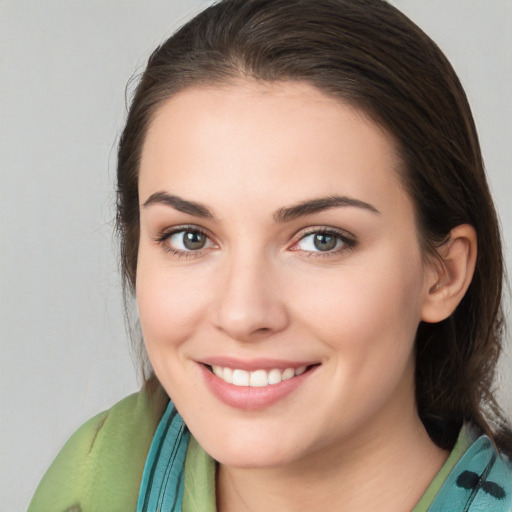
252, 398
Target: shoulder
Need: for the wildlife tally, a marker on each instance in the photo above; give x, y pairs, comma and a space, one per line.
104, 459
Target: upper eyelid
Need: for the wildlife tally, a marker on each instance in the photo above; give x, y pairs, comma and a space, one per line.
301, 232
167, 232
324, 229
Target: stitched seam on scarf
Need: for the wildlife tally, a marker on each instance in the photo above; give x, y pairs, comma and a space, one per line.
97, 431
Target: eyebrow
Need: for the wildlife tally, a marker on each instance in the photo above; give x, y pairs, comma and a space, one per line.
284, 214
318, 205
182, 205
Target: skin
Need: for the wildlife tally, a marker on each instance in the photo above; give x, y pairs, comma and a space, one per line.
349, 437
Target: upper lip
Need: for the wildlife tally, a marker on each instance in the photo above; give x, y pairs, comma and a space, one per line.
255, 364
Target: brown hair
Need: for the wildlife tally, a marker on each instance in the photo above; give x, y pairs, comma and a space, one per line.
368, 54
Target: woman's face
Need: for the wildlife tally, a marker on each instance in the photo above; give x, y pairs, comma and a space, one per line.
277, 248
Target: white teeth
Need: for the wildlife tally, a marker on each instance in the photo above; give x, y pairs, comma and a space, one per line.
240, 378
301, 370
227, 375
257, 378
274, 376
288, 373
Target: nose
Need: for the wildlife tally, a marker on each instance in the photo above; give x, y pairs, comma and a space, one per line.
250, 305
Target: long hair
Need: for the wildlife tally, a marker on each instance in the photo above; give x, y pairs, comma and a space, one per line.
367, 54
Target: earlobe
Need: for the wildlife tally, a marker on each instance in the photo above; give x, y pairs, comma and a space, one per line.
451, 275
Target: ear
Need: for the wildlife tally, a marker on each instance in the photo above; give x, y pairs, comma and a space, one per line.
449, 277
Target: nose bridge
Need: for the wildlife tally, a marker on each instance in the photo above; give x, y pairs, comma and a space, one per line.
249, 304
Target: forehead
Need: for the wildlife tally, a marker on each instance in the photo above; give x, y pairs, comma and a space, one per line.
281, 139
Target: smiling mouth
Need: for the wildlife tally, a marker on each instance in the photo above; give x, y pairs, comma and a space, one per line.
257, 378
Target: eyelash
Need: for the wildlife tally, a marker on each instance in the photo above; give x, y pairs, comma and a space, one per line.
348, 241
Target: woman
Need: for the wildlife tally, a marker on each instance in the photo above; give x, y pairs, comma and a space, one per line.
307, 227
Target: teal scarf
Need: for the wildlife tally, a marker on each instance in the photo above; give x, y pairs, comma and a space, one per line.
480, 482
164, 472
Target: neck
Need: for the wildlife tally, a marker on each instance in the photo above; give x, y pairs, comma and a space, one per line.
385, 468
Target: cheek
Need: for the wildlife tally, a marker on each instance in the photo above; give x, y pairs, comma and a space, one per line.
169, 303
367, 309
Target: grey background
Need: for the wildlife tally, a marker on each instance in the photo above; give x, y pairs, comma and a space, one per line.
63, 68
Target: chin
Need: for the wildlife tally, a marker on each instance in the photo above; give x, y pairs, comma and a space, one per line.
253, 458
249, 451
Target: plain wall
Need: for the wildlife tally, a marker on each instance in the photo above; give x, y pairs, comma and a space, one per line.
64, 64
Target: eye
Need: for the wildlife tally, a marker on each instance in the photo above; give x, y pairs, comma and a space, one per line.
185, 241
188, 240
324, 241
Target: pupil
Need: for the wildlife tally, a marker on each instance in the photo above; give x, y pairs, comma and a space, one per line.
194, 240
325, 242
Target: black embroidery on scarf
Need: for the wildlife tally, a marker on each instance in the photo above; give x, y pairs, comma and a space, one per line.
470, 480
